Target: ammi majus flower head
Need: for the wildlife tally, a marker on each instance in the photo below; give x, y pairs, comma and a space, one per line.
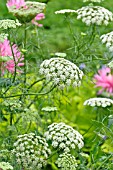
61, 72
25, 11
64, 137
98, 101
107, 39
31, 151
94, 15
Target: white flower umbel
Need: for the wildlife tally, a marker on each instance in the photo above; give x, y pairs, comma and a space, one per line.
108, 40
5, 166
61, 72
31, 151
8, 23
93, 1
102, 102
66, 161
49, 109
64, 11
96, 15
64, 137
28, 12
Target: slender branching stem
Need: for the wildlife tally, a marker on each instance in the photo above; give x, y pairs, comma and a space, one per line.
35, 83
28, 94
25, 62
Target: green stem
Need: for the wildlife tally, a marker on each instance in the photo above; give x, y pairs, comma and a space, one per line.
25, 64
94, 59
88, 130
76, 45
28, 94
91, 40
53, 154
15, 71
13, 59
37, 95
35, 83
0, 69
14, 77
11, 119
104, 162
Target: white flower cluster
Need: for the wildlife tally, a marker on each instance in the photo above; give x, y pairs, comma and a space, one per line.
103, 102
31, 151
12, 104
49, 109
3, 37
93, 1
5, 166
64, 137
108, 40
4, 154
61, 72
8, 23
27, 13
94, 15
66, 161
64, 11
110, 64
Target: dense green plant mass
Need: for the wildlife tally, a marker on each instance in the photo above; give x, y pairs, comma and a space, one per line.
56, 85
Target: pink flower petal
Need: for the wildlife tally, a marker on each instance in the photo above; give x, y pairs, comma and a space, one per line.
16, 3
5, 50
104, 79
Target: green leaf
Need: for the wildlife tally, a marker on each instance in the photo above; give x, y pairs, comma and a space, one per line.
5, 82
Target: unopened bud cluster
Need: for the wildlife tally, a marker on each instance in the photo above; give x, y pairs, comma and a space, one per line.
49, 109
64, 11
94, 15
61, 72
66, 161
64, 137
31, 151
102, 102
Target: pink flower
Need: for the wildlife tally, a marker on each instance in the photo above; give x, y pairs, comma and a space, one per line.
5, 51
104, 79
37, 18
15, 3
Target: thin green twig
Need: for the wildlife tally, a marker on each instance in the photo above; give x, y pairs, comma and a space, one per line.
35, 83
104, 162
18, 95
